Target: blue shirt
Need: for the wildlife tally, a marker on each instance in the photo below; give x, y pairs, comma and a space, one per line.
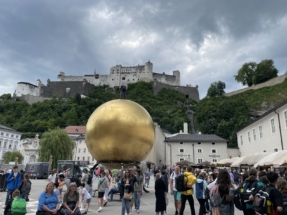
49, 201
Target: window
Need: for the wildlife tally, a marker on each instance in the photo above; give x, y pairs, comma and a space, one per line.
249, 139
83, 158
214, 160
254, 134
78, 158
10, 146
260, 131
199, 160
79, 150
5, 145
2, 133
16, 136
285, 116
272, 126
199, 150
7, 134
12, 135
241, 140
93, 159
275, 150
0, 143
84, 150
88, 158
181, 150
213, 151
181, 159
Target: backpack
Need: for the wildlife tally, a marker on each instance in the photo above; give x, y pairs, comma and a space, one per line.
18, 206
214, 196
199, 190
238, 198
262, 201
26, 186
284, 198
179, 183
248, 190
90, 179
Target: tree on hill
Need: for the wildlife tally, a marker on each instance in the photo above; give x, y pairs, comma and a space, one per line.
252, 73
216, 89
11, 157
57, 143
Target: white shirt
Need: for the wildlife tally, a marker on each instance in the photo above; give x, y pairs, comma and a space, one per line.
9, 170
52, 178
211, 184
124, 83
86, 193
172, 177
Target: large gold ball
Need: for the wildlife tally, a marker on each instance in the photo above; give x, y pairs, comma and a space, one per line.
120, 133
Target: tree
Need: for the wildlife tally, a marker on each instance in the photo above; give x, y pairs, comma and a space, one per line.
11, 157
57, 143
265, 71
216, 89
246, 74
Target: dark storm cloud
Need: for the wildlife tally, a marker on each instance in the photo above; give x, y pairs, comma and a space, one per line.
206, 40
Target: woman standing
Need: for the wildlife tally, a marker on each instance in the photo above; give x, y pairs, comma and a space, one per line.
160, 203
48, 201
71, 201
201, 185
109, 180
53, 176
147, 177
126, 185
61, 181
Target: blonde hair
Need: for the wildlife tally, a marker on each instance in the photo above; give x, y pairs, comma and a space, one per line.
282, 185
15, 193
73, 184
107, 172
54, 171
46, 190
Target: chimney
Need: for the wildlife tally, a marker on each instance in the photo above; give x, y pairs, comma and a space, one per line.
185, 128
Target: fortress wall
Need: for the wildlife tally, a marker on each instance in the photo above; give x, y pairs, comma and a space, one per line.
27, 89
33, 99
269, 83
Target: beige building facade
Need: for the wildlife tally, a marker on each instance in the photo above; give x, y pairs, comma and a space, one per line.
29, 149
268, 133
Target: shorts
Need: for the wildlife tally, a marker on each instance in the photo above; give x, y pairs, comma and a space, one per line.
177, 195
101, 194
88, 201
60, 192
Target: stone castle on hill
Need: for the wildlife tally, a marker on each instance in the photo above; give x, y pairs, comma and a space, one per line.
68, 86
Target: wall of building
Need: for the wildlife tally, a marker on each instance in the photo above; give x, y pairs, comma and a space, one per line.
81, 151
9, 141
233, 152
269, 83
270, 141
29, 149
27, 89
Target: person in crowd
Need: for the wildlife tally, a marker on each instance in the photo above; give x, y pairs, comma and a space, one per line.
173, 191
56, 189
52, 177
108, 187
127, 185
251, 186
135, 185
86, 196
138, 190
201, 186
147, 177
155, 171
165, 178
123, 88
25, 186
48, 201
160, 203
115, 189
262, 176
102, 185
71, 201
13, 183
235, 177
61, 182
282, 187
85, 179
8, 207
189, 180
275, 195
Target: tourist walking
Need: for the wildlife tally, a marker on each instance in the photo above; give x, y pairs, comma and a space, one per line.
147, 177
127, 185
13, 183
25, 186
71, 201
173, 191
102, 185
160, 203
138, 190
201, 186
165, 178
48, 201
189, 180
86, 197
108, 187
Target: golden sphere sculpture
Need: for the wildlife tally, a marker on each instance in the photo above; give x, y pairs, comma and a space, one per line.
120, 133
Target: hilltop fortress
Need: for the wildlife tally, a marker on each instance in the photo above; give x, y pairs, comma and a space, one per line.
67, 86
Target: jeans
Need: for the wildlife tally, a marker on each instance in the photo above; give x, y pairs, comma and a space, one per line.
137, 196
147, 182
125, 206
202, 206
231, 208
23, 195
112, 192
189, 198
9, 194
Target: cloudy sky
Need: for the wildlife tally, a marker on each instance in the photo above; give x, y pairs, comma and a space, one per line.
206, 40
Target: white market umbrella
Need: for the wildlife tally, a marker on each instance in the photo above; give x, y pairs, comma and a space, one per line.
237, 163
228, 161
275, 158
254, 158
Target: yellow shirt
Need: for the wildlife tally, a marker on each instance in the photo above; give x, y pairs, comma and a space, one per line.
191, 179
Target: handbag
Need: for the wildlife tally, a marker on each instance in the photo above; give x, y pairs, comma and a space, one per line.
128, 196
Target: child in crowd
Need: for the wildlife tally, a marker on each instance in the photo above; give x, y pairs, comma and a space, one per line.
25, 187
8, 207
275, 195
61, 182
102, 185
56, 190
85, 195
282, 187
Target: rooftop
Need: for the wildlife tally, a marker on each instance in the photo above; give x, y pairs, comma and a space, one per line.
195, 138
76, 129
7, 128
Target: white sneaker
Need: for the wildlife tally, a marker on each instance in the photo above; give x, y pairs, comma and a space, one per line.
100, 208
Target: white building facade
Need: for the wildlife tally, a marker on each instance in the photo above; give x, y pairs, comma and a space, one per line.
9, 140
268, 133
29, 148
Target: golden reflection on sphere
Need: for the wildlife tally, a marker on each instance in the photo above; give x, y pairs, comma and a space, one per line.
120, 132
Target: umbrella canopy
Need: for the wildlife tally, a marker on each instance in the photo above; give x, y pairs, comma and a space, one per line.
184, 163
275, 158
228, 161
204, 163
237, 163
254, 158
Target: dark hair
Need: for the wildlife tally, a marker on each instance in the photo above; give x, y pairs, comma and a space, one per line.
83, 185
223, 180
272, 177
56, 184
15, 167
189, 169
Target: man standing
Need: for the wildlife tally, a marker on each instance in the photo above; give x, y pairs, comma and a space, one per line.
173, 191
165, 178
13, 183
124, 87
